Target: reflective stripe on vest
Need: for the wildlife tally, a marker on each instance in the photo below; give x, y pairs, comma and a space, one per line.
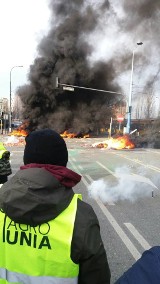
18, 278
38, 254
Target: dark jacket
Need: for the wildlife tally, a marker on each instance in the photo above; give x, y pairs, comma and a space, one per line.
34, 196
145, 270
5, 167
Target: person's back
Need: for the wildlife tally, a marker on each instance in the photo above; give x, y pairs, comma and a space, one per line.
49, 235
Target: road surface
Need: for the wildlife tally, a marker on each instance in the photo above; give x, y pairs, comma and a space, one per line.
123, 186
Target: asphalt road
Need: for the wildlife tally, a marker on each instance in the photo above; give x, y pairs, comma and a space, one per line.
123, 186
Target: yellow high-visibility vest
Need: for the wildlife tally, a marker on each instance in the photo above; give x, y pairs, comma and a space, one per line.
40, 254
2, 149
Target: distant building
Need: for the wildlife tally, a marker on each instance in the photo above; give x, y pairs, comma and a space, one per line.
4, 115
4, 105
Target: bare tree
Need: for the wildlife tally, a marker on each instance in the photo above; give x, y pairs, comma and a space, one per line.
149, 102
139, 111
17, 108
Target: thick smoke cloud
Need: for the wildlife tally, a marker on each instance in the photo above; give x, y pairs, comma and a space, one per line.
123, 187
66, 52
63, 53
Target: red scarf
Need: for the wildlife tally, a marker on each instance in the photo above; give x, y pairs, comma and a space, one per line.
66, 176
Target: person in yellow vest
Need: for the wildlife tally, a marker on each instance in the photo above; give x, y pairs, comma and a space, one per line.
5, 166
48, 234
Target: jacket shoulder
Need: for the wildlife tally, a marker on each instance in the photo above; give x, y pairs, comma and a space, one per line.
86, 225
85, 213
87, 248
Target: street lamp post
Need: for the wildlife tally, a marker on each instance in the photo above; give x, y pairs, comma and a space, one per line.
10, 98
130, 94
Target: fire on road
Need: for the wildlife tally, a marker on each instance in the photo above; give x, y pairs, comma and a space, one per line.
122, 182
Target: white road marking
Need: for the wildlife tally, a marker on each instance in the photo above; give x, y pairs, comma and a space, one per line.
89, 177
138, 236
81, 168
153, 151
138, 162
130, 246
132, 249
131, 177
108, 170
20, 151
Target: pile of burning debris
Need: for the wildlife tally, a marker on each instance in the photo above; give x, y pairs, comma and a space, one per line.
67, 134
120, 142
150, 138
13, 140
17, 138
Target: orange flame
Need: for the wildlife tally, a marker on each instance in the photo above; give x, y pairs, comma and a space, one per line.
86, 136
122, 142
66, 134
19, 132
17, 136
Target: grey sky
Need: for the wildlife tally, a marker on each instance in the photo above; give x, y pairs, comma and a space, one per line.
24, 23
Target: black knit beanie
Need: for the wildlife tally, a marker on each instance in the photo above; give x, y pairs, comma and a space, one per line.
45, 147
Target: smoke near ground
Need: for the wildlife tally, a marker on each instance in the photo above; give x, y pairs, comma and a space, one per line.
126, 187
71, 51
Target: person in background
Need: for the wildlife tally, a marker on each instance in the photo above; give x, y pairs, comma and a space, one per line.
49, 235
5, 167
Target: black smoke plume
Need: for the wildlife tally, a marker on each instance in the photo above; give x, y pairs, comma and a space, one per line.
64, 53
